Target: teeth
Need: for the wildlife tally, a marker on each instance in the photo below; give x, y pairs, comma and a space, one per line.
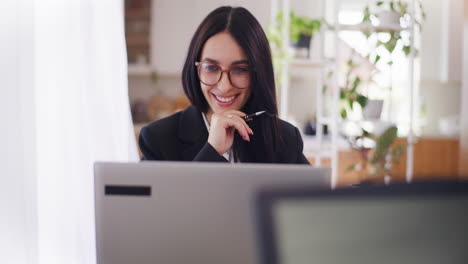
225, 99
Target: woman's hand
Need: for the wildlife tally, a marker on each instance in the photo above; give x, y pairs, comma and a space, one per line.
222, 129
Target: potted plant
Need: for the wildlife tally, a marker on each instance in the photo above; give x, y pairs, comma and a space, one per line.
373, 109
301, 31
392, 16
351, 92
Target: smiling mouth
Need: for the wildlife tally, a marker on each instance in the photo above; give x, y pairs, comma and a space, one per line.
225, 99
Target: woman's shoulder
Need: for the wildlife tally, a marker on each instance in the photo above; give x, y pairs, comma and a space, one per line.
289, 133
164, 124
177, 124
287, 128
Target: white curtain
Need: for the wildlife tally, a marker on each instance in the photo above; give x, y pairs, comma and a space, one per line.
72, 95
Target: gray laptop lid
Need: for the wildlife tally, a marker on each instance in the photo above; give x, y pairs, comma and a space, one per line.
178, 212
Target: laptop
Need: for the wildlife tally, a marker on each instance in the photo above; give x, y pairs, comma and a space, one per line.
410, 223
185, 212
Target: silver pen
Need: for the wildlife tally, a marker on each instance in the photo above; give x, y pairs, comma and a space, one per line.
250, 117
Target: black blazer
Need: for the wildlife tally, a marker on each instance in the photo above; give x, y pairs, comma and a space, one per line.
183, 137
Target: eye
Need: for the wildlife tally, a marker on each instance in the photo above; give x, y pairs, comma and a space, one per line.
210, 68
240, 70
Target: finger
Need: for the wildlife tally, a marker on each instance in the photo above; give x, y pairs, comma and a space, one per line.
235, 112
238, 125
240, 119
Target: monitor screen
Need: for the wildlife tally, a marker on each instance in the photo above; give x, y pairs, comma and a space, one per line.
400, 229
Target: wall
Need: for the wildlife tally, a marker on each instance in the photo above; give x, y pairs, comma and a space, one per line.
441, 62
174, 23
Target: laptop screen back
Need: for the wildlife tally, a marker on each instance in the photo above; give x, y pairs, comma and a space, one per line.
185, 212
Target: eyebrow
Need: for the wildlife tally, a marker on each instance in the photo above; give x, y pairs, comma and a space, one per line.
233, 63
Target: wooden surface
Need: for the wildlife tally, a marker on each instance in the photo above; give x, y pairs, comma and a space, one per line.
434, 158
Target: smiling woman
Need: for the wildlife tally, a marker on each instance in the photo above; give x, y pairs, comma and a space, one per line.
228, 74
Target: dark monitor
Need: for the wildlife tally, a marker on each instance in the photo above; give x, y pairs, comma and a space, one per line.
408, 223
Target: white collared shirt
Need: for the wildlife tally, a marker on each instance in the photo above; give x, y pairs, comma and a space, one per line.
228, 154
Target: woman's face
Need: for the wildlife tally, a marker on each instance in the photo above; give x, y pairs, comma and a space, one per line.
221, 51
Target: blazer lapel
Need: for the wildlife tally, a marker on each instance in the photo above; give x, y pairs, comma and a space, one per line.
192, 132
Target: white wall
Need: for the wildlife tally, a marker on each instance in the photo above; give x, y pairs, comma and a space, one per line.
431, 41
441, 63
175, 21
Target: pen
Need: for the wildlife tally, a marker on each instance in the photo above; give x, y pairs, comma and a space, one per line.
250, 117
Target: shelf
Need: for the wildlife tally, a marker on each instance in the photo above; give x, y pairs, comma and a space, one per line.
139, 40
311, 144
137, 13
366, 27
324, 120
139, 70
137, 35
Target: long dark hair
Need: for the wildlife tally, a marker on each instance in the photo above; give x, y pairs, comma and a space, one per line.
248, 33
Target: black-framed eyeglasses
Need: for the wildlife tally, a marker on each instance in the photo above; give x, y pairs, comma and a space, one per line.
210, 74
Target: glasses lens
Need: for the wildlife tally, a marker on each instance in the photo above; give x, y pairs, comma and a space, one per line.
209, 73
240, 77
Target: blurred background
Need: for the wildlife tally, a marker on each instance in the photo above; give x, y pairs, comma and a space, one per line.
355, 50
378, 89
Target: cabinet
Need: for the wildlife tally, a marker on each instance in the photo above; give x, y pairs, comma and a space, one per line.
138, 35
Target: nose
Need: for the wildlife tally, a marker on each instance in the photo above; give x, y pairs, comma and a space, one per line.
224, 84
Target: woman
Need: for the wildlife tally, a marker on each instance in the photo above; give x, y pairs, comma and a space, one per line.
227, 74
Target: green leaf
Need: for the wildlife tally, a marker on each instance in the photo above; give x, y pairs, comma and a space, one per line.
343, 113
324, 88
391, 44
397, 151
343, 94
356, 83
377, 58
379, 3
366, 133
392, 7
351, 168
362, 100
383, 144
407, 49
366, 15
350, 103
154, 77
403, 7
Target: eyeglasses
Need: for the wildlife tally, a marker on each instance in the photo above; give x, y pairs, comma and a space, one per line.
210, 74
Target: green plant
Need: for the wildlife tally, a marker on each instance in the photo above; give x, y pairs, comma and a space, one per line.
301, 25
298, 25
281, 53
378, 162
350, 94
351, 91
371, 13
